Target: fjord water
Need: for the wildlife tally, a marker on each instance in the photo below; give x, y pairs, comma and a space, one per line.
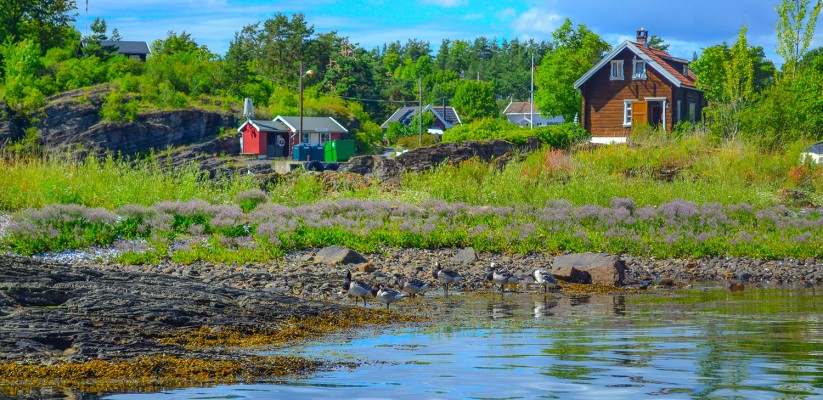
698, 343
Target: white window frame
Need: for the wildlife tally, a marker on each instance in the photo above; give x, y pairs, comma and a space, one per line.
325, 137
693, 111
627, 112
636, 75
616, 72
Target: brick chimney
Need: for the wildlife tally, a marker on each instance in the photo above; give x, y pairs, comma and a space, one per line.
642, 36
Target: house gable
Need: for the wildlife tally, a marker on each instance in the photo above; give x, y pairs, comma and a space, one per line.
445, 120
653, 59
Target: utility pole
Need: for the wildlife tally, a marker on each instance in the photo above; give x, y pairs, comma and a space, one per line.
531, 97
420, 109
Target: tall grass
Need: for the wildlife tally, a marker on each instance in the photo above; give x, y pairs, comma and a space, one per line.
38, 181
655, 171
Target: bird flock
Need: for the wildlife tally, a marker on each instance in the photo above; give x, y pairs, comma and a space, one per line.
411, 287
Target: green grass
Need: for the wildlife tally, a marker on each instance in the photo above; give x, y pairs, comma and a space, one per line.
38, 181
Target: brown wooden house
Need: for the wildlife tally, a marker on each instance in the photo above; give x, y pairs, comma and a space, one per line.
633, 85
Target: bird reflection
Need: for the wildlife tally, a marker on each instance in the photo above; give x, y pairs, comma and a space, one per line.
542, 308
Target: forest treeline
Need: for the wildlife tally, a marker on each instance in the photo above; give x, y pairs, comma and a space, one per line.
42, 54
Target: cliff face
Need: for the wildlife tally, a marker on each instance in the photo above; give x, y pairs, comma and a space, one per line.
71, 121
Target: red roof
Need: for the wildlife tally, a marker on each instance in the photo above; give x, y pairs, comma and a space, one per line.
660, 57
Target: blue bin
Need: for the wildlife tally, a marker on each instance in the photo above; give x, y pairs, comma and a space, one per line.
318, 152
301, 152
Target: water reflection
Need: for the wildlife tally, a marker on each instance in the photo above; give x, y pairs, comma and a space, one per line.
690, 345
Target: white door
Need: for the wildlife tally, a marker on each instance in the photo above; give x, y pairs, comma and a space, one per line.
314, 138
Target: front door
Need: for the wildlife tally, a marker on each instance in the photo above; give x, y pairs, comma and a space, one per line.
640, 113
656, 114
314, 138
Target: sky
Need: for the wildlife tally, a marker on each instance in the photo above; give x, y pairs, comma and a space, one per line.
687, 25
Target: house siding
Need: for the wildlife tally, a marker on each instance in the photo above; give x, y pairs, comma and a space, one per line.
253, 140
603, 98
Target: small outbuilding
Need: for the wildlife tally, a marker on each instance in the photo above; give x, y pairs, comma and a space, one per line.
813, 153
277, 138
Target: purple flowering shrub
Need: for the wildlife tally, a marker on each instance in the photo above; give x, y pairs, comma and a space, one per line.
675, 229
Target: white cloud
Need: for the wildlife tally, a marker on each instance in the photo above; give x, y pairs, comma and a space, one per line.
536, 21
445, 3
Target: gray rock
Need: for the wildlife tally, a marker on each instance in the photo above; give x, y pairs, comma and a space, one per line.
338, 255
465, 256
597, 268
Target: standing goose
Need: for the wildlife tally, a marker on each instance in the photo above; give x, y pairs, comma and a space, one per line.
546, 279
386, 295
500, 277
445, 276
357, 288
412, 287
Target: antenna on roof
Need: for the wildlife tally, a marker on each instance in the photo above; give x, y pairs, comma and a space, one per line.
248, 108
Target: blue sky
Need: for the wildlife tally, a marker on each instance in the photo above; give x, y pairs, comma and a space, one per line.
687, 25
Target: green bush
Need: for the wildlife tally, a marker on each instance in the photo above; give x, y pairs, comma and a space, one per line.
562, 136
117, 109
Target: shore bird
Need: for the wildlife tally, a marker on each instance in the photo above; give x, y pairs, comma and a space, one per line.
445, 276
412, 287
546, 280
357, 288
386, 295
500, 277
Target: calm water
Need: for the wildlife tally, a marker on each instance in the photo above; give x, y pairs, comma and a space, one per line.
714, 344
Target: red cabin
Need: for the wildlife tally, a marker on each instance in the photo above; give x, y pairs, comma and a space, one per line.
277, 138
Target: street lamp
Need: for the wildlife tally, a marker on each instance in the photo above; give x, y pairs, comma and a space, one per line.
302, 74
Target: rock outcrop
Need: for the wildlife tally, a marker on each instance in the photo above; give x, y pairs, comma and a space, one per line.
425, 158
71, 121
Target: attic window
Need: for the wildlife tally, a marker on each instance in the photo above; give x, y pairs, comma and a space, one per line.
685, 70
617, 70
639, 69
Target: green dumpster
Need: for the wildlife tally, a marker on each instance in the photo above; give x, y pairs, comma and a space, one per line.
339, 150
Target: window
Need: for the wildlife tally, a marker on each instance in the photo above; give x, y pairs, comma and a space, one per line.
617, 70
627, 113
305, 138
679, 105
325, 137
692, 112
639, 69
685, 69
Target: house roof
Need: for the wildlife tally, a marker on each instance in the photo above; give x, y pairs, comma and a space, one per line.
312, 124
264, 125
656, 59
404, 115
520, 107
816, 148
128, 47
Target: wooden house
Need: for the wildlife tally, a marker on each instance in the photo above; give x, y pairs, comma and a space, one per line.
635, 84
277, 138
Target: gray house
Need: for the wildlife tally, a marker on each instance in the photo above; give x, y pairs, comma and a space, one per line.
444, 117
132, 49
522, 112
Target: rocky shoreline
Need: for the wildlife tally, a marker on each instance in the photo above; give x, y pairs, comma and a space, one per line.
77, 308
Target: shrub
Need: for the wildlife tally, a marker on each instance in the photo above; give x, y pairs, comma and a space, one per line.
249, 199
562, 136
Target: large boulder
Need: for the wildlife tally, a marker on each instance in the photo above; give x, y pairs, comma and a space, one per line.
465, 256
597, 268
338, 255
